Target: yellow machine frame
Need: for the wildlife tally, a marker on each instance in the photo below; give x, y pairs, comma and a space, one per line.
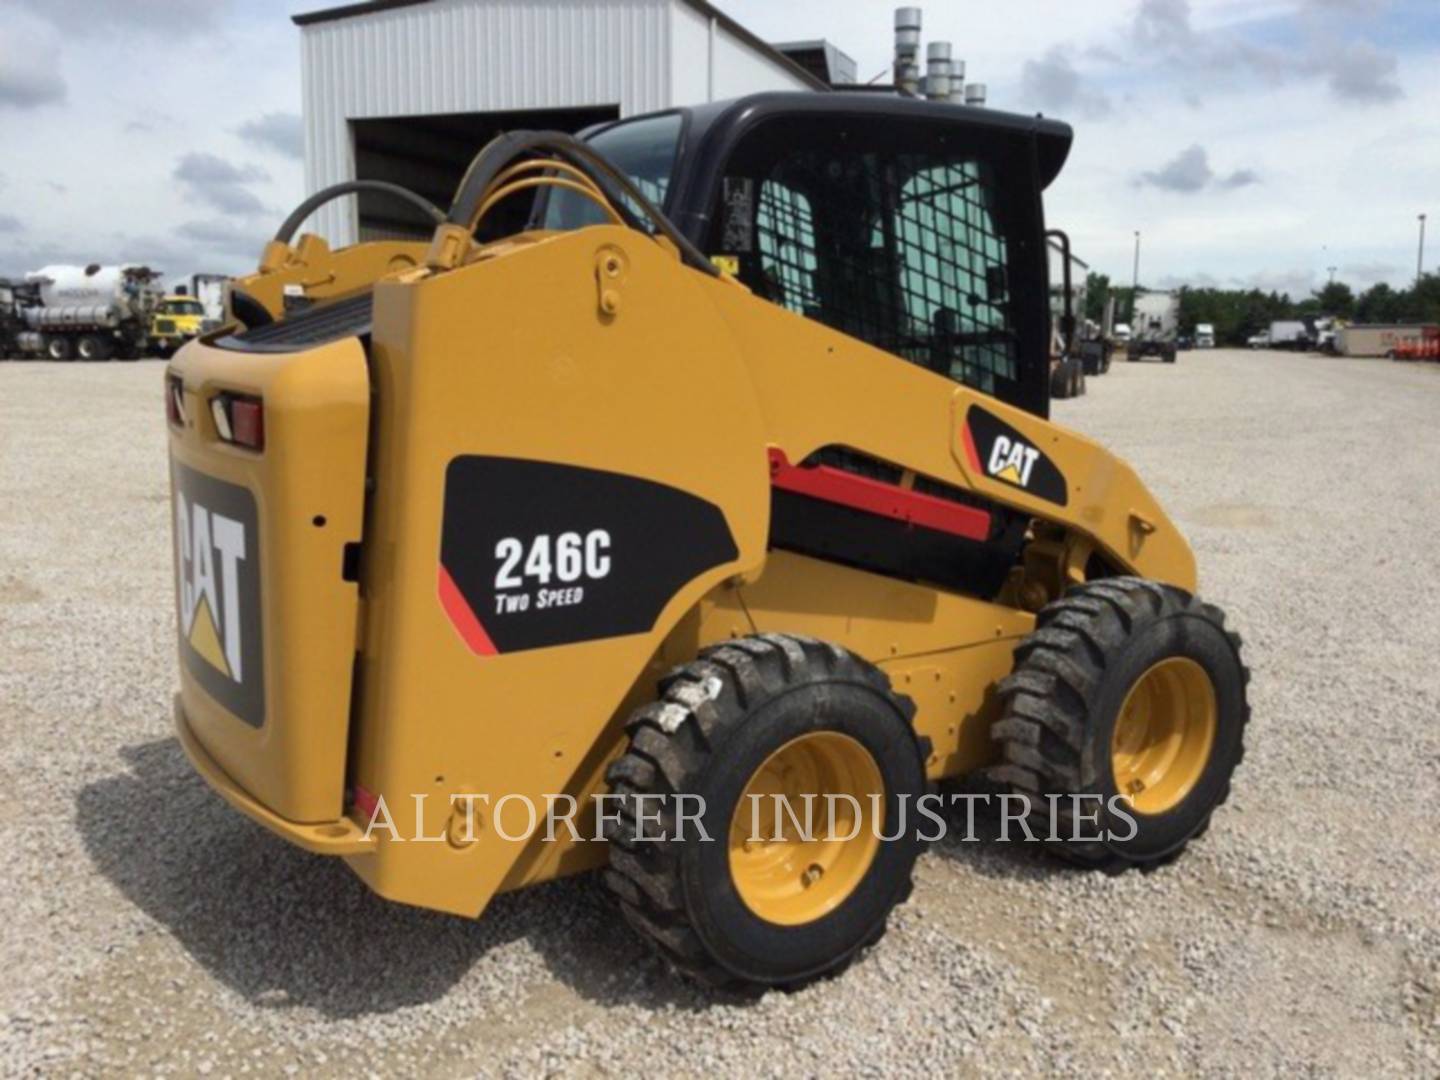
585, 348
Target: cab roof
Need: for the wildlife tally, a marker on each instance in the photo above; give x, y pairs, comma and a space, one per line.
723, 122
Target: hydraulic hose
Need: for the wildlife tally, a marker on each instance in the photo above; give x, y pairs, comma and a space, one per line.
291, 224
509, 146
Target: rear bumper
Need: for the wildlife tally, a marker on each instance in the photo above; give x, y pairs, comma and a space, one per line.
342, 837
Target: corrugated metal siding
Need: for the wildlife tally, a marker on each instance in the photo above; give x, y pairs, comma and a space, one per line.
472, 56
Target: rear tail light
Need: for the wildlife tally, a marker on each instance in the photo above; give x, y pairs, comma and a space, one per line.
239, 419
175, 400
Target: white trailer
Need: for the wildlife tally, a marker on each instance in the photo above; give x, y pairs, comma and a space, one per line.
210, 290
1155, 326
1379, 339
1290, 334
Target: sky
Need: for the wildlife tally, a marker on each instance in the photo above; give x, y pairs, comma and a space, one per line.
1251, 142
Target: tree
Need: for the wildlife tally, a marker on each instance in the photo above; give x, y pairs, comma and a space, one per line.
1378, 304
1336, 298
1237, 314
1423, 301
1097, 288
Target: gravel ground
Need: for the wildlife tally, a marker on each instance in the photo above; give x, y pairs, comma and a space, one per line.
150, 929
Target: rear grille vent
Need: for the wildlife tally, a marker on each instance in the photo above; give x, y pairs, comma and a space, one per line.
351, 317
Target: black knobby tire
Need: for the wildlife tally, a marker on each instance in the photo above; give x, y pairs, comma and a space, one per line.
1060, 706
92, 347
717, 720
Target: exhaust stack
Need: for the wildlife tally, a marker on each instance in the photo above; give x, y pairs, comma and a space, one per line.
957, 82
975, 94
937, 71
907, 50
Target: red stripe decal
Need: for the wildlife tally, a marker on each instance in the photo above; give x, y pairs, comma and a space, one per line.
366, 802
970, 452
874, 497
462, 618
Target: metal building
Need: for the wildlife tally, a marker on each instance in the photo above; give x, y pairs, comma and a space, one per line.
409, 90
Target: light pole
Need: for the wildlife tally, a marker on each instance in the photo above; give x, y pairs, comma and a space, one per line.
1135, 280
1332, 270
1420, 259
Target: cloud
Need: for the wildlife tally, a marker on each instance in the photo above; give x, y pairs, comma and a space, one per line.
223, 237
1053, 83
1189, 171
1241, 178
1345, 7
1374, 271
220, 184
1295, 282
171, 18
107, 248
202, 168
1324, 41
282, 132
152, 120
9, 223
1358, 71
29, 65
1164, 25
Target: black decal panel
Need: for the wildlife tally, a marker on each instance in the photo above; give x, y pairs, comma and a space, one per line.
217, 548
997, 450
535, 554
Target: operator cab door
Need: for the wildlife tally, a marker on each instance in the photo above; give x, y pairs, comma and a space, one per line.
920, 236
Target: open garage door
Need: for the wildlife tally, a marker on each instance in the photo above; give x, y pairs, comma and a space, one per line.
429, 155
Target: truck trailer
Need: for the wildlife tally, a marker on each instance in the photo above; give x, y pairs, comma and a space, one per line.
1290, 334
209, 289
91, 312
1156, 326
1382, 339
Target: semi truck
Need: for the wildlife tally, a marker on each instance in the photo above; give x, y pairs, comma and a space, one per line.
1204, 335
15, 297
1068, 279
1155, 327
91, 312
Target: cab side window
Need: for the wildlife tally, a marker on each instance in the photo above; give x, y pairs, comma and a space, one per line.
954, 271
906, 250
785, 236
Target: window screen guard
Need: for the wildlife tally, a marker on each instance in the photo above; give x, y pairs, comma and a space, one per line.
906, 251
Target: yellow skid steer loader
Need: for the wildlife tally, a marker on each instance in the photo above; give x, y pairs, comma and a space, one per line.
721, 483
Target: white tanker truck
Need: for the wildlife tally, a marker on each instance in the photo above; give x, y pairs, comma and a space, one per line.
90, 312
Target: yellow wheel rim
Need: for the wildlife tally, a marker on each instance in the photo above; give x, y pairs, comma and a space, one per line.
1163, 735
786, 873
